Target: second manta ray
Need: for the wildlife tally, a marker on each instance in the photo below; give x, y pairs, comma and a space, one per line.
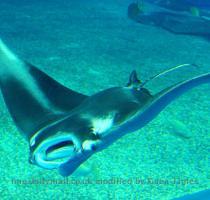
63, 127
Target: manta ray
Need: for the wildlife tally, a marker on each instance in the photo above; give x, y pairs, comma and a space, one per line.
65, 127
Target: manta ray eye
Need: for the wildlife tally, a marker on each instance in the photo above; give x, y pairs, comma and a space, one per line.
91, 145
88, 145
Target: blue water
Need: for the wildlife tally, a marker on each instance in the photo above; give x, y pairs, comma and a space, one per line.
183, 4
199, 3
92, 45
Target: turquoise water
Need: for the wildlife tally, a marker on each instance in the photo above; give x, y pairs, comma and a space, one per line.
90, 46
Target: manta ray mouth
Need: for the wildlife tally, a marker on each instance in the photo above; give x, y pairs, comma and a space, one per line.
54, 151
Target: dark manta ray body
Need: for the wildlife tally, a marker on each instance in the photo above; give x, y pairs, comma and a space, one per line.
63, 127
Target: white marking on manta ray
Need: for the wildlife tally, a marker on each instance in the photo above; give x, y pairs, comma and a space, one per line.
13, 67
101, 125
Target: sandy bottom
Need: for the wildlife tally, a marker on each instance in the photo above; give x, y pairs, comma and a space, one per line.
90, 46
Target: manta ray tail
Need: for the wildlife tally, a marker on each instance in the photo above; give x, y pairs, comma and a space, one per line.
168, 95
33, 99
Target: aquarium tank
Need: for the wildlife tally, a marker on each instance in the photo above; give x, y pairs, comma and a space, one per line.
105, 99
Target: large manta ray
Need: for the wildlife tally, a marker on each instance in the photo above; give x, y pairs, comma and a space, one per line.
63, 127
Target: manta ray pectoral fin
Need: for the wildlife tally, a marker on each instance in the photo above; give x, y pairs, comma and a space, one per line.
201, 195
33, 98
60, 96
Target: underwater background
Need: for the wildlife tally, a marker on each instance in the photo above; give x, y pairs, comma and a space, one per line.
90, 46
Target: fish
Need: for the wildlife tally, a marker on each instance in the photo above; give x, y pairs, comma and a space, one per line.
193, 22
199, 3
64, 127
